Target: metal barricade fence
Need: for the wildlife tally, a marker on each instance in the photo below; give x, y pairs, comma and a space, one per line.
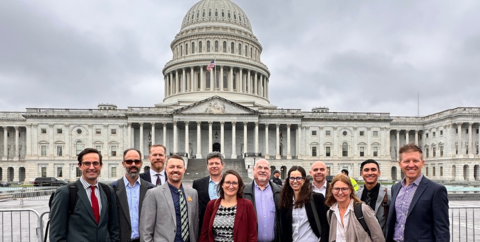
19, 225
27, 193
464, 224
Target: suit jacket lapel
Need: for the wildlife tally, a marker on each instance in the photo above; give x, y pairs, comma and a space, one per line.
168, 197
122, 197
420, 189
104, 202
143, 190
82, 196
381, 195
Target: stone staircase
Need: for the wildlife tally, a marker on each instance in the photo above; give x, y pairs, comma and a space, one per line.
197, 168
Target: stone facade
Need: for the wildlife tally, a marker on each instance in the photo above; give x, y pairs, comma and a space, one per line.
230, 112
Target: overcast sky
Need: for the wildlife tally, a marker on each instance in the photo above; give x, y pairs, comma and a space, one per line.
351, 56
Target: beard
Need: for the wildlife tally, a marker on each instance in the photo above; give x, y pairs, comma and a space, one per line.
133, 172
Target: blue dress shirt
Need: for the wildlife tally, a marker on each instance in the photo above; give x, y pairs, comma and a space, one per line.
133, 198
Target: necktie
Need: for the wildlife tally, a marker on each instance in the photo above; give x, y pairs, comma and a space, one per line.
158, 182
368, 200
96, 209
183, 216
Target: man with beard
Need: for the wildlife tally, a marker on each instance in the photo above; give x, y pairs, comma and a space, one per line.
170, 211
207, 186
265, 196
318, 171
156, 175
131, 190
373, 193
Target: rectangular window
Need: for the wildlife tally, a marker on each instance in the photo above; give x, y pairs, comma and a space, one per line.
441, 132
44, 131
59, 172
327, 151
433, 153
327, 132
375, 133
362, 133
99, 148
426, 135
441, 151
59, 150
441, 170
362, 151
314, 132
466, 131
79, 172
113, 149
59, 131
426, 152
44, 171
477, 131
113, 171
433, 171
375, 151
98, 131
43, 149
433, 134
314, 151
113, 131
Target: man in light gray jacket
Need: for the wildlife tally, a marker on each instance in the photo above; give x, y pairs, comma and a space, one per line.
374, 194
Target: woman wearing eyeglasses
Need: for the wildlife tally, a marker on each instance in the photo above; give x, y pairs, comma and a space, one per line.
300, 221
344, 225
230, 217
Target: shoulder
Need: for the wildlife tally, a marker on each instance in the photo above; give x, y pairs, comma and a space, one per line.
275, 187
248, 187
199, 181
145, 183
190, 190
318, 196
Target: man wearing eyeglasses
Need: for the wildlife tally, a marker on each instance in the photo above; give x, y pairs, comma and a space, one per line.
131, 190
373, 193
94, 217
319, 172
265, 196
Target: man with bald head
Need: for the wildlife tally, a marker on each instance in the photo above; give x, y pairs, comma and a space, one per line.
265, 196
319, 171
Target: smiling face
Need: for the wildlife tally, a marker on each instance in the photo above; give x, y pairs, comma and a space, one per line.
157, 158
261, 172
175, 170
341, 191
318, 172
230, 186
411, 164
133, 169
298, 182
91, 172
370, 173
215, 166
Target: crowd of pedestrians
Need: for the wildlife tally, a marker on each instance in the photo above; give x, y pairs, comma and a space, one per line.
156, 206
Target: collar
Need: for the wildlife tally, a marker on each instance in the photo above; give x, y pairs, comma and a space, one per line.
334, 207
86, 184
324, 185
416, 182
375, 188
127, 183
153, 173
256, 185
172, 187
210, 180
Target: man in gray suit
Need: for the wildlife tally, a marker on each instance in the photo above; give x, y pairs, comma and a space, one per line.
131, 190
373, 193
170, 211
94, 217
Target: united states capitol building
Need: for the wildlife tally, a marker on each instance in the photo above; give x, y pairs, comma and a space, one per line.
228, 110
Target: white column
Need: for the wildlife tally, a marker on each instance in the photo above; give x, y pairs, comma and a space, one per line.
245, 144
68, 140
240, 81
210, 136
28, 143
407, 132
165, 79
165, 134
416, 137
249, 81
52, 140
171, 83
267, 156
255, 84
256, 137
355, 141
199, 140
222, 136
141, 138
298, 143
398, 143
129, 138
175, 138
153, 133
388, 143
334, 146
187, 141
192, 79
470, 141
277, 148
5, 144
16, 150
184, 81
230, 85
289, 155
35, 140
478, 144
202, 80
132, 138
459, 127
220, 84
177, 84
234, 137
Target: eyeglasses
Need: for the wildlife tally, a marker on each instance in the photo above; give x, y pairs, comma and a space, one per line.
88, 164
129, 162
370, 169
234, 184
343, 189
298, 178
318, 169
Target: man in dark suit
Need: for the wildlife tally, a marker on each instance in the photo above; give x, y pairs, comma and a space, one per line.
319, 172
419, 209
131, 190
95, 217
156, 174
207, 186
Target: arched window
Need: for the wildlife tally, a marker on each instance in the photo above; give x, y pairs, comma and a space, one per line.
208, 46
232, 48
200, 47
345, 149
224, 46
216, 46
228, 14
193, 47
186, 49
239, 49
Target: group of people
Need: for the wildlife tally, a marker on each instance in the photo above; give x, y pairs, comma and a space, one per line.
156, 206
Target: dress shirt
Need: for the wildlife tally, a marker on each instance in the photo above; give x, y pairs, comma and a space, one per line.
87, 188
176, 204
133, 198
265, 206
373, 195
341, 229
212, 189
322, 190
153, 176
301, 229
402, 203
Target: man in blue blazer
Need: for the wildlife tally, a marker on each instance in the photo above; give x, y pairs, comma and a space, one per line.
94, 218
419, 208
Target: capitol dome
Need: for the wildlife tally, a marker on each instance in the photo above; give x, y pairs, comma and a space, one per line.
219, 31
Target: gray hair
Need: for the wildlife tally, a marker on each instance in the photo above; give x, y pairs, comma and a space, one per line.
215, 154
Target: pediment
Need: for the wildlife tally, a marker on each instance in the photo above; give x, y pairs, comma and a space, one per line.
217, 106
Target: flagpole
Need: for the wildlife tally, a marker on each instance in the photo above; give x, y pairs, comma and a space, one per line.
215, 73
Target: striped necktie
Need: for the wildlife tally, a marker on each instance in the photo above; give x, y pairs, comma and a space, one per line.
183, 216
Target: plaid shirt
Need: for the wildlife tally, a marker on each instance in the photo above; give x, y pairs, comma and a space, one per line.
402, 203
